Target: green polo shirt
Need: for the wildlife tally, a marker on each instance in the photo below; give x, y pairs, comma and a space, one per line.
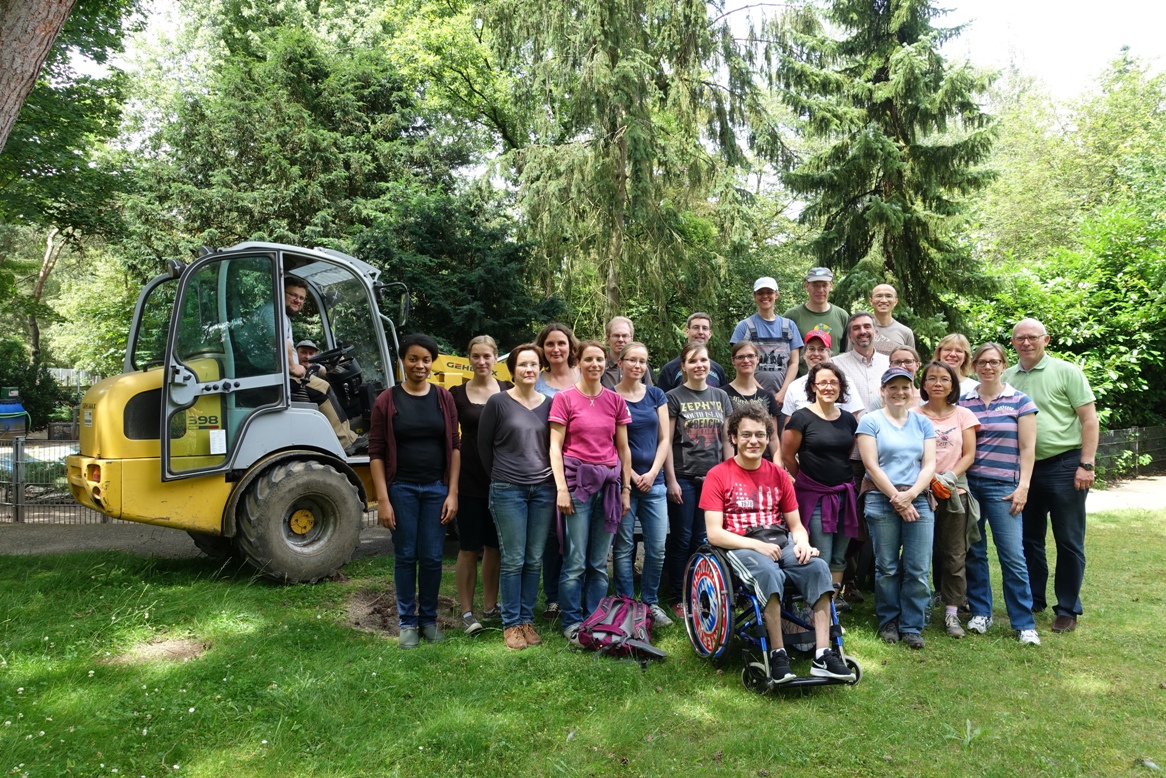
1058, 388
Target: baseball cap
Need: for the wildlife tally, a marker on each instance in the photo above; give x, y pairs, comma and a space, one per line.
307, 343
896, 372
820, 335
765, 282
820, 274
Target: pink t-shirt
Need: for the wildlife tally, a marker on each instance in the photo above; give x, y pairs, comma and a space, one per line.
748, 498
949, 435
590, 423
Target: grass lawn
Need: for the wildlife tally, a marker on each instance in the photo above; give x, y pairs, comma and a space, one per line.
283, 686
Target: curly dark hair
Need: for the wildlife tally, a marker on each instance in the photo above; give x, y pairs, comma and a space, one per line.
752, 412
812, 376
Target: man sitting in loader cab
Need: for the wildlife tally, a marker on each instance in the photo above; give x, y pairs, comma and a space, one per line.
295, 293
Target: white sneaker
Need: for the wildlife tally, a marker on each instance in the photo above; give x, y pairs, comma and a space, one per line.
980, 624
1028, 637
659, 616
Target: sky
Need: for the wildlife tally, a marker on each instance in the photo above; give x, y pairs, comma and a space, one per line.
1066, 43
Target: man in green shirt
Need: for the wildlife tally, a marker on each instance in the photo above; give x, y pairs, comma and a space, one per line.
1066, 449
817, 313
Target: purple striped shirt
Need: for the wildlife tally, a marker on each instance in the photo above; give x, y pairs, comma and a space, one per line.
997, 440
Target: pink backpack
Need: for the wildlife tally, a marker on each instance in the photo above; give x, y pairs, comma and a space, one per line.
620, 626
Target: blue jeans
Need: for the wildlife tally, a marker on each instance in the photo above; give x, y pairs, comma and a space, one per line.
584, 580
651, 508
1006, 536
1053, 499
901, 588
686, 534
418, 541
522, 514
552, 563
831, 546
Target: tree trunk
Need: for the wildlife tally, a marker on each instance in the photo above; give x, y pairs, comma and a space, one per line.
52, 254
27, 31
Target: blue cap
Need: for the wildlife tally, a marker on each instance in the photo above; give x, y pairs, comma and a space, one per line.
897, 372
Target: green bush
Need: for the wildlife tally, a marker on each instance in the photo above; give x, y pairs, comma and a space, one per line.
39, 393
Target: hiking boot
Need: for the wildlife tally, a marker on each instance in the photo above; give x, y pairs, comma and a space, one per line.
572, 635
913, 640
409, 638
532, 638
552, 612
830, 665
472, 625
779, 669
889, 632
1064, 623
431, 633
980, 624
1028, 637
659, 617
951, 623
514, 638
840, 605
852, 593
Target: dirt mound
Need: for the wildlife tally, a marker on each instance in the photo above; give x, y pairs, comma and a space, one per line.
375, 610
174, 650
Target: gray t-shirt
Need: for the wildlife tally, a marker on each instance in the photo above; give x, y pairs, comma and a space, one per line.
890, 337
514, 441
700, 420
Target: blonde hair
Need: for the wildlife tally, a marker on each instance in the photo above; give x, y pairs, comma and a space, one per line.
482, 340
956, 339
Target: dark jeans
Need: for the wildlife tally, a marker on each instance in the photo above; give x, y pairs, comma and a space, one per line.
418, 541
1052, 498
552, 563
686, 534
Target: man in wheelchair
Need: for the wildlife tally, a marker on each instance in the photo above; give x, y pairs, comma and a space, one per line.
751, 512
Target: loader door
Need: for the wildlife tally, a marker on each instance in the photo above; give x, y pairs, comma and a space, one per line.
225, 360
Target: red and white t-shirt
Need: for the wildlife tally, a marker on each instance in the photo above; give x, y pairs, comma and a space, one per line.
748, 498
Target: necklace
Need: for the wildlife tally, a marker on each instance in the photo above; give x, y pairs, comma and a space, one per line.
591, 397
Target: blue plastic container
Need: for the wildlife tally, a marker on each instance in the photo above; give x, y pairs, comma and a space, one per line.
13, 419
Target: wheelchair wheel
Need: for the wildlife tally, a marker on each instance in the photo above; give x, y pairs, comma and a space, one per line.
755, 679
853, 664
708, 602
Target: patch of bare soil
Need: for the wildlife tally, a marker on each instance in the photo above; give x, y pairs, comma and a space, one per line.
375, 611
173, 650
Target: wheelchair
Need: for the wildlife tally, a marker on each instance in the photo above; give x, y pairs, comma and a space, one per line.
718, 606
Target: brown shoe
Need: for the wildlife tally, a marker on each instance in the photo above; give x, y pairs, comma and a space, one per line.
532, 638
514, 638
1064, 623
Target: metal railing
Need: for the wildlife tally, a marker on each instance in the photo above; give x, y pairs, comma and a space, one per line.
1132, 452
34, 486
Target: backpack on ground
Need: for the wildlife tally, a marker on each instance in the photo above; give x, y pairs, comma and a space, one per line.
620, 626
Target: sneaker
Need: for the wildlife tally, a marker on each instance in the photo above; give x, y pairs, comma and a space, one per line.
852, 593
779, 669
913, 640
840, 605
659, 617
432, 634
980, 624
472, 625
951, 623
1064, 623
572, 636
494, 614
678, 609
552, 612
409, 638
889, 632
532, 638
1028, 637
515, 639
830, 665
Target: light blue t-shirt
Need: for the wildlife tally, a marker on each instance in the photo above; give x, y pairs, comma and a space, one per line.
900, 448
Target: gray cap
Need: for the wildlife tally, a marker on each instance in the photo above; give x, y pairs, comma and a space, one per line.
308, 344
820, 274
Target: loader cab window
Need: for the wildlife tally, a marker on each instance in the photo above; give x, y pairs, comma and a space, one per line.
152, 327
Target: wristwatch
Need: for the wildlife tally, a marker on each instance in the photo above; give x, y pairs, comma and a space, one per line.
1086, 466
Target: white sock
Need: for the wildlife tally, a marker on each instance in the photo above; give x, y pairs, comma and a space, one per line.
467, 613
820, 651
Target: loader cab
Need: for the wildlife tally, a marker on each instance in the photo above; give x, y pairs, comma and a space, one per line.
218, 328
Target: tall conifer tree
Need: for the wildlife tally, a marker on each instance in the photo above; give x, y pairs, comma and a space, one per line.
901, 141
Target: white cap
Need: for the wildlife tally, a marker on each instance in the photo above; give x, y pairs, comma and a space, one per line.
765, 282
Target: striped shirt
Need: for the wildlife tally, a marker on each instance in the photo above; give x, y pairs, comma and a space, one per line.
997, 440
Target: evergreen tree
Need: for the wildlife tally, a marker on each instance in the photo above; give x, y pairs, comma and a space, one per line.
903, 139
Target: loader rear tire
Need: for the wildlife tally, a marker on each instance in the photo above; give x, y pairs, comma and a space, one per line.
299, 522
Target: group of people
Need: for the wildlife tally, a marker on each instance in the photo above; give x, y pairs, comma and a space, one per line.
551, 473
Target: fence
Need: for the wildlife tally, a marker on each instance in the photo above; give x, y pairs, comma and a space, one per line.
1132, 452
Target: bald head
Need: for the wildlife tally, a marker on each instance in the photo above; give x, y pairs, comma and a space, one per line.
883, 299
1029, 338
1029, 324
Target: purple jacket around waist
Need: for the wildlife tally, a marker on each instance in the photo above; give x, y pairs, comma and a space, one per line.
838, 502
584, 481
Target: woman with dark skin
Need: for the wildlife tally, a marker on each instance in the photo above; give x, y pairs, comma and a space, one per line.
414, 450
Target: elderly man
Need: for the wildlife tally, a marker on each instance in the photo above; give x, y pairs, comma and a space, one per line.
817, 312
1066, 449
698, 329
889, 332
619, 333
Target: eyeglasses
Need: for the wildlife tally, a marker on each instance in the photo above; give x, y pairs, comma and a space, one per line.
299, 297
1027, 338
827, 384
745, 358
904, 362
635, 361
752, 435
989, 363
